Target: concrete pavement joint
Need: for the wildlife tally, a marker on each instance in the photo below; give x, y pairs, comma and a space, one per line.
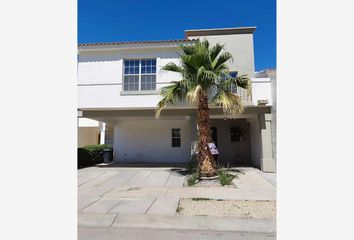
113, 220
150, 205
90, 204
107, 192
110, 178
90, 179
167, 179
130, 179
116, 205
121, 185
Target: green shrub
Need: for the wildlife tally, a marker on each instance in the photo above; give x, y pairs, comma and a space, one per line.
83, 158
192, 179
192, 166
94, 152
225, 177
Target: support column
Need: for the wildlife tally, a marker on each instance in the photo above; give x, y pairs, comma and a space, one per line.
116, 143
102, 132
194, 133
255, 141
267, 159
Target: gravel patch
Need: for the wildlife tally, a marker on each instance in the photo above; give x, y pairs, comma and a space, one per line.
236, 208
208, 183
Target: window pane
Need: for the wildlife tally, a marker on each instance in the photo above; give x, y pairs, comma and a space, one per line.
131, 66
148, 66
176, 137
176, 142
136, 70
148, 82
233, 88
176, 133
233, 74
131, 83
143, 69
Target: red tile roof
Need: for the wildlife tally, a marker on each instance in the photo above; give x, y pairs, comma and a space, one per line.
135, 42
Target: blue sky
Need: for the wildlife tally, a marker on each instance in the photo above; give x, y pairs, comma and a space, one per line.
117, 20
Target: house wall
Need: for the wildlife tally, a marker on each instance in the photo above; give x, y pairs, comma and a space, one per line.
256, 143
230, 151
268, 162
100, 71
109, 134
87, 136
241, 48
87, 132
149, 140
262, 90
261, 143
100, 78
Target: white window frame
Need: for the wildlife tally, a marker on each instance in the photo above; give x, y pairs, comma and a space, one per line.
139, 76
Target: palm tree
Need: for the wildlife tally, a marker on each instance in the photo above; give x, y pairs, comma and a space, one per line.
203, 68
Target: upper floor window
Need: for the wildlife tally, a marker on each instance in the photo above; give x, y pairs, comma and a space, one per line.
233, 86
139, 75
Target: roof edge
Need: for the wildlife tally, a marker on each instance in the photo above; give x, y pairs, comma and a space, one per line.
134, 42
219, 31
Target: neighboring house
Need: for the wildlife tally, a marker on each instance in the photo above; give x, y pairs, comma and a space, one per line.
91, 132
88, 132
118, 85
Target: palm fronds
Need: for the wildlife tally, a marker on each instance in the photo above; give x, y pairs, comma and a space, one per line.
231, 103
176, 91
203, 67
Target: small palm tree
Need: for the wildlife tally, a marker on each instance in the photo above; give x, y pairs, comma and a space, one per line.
203, 68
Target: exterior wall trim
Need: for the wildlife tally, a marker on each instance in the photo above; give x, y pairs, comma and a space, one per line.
110, 47
113, 83
152, 92
219, 31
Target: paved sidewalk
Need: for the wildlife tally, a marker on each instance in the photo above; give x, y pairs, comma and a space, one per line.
271, 178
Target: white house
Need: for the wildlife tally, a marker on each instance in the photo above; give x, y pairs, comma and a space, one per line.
118, 85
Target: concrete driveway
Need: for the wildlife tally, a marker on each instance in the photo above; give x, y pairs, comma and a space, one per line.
127, 190
147, 198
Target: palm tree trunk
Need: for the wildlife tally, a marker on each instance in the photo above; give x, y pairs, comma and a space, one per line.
205, 158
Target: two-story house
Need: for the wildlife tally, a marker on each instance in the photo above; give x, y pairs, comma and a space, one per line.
119, 82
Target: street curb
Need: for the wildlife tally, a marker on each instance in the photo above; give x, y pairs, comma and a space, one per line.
207, 223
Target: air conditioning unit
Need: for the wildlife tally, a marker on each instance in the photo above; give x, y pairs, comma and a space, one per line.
262, 102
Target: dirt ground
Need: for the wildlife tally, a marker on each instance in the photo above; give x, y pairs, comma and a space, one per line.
237, 208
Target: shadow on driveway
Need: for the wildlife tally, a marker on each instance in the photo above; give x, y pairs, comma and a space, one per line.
179, 168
